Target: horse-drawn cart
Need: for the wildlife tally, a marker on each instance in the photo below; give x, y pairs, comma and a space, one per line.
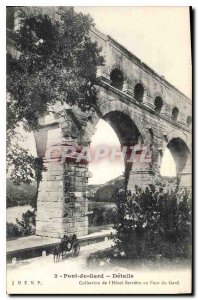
67, 244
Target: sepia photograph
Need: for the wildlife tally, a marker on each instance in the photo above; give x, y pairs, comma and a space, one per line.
99, 150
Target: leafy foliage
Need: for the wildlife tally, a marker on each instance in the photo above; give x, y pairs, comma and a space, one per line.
26, 166
24, 194
12, 231
103, 213
23, 227
54, 60
105, 193
154, 221
57, 61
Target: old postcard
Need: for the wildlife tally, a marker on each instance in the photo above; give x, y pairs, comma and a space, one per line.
99, 150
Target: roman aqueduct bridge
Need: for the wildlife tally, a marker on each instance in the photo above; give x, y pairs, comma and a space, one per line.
141, 106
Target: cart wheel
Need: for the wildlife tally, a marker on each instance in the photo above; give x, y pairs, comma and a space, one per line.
76, 249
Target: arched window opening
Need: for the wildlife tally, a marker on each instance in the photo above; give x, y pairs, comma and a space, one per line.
158, 104
189, 120
175, 113
139, 92
117, 79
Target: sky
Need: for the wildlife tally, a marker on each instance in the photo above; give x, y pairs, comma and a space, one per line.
160, 37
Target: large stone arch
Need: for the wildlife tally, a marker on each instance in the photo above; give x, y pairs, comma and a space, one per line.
180, 147
136, 173
178, 134
107, 106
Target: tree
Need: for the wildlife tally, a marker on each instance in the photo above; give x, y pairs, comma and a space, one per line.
56, 61
20, 195
154, 221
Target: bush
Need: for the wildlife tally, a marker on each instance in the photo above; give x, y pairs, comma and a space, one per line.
105, 193
24, 227
154, 221
12, 230
103, 213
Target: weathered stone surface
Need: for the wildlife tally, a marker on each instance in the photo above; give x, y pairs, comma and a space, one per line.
62, 208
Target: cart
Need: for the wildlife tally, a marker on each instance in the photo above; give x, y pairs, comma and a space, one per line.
71, 245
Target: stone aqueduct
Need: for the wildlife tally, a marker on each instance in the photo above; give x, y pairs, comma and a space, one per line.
138, 104
141, 106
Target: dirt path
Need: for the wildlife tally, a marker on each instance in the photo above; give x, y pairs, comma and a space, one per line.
42, 275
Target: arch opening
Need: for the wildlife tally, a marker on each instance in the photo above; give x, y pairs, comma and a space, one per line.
104, 136
180, 153
122, 132
139, 92
167, 167
114, 130
123, 126
175, 113
117, 79
158, 104
175, 159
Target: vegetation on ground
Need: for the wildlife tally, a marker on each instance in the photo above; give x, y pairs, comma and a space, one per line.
23, 227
